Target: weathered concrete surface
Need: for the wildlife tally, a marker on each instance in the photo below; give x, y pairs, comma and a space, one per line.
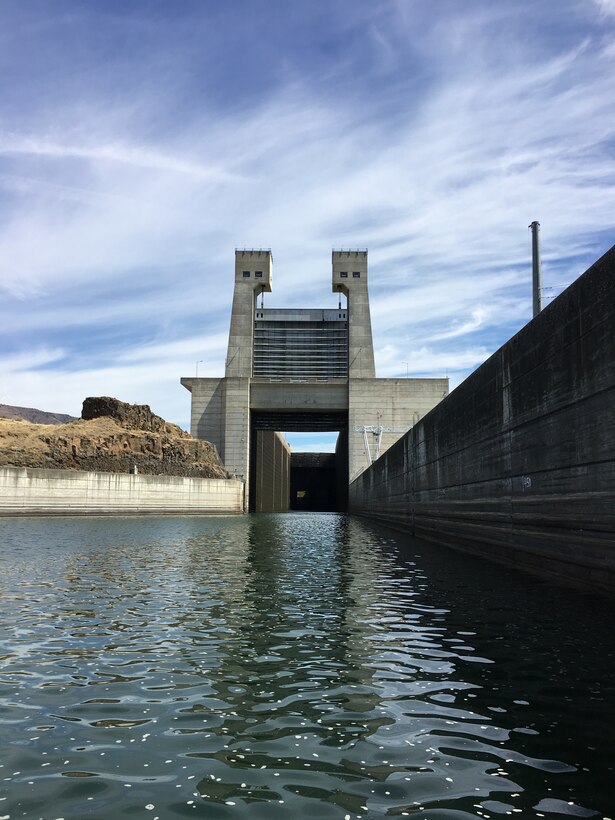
29, 491
303, 396
271, 474
518, 463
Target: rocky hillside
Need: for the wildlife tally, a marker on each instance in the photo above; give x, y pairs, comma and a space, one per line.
111, 437
9, 411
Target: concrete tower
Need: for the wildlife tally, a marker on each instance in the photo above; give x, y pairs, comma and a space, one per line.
350, 277
253, 272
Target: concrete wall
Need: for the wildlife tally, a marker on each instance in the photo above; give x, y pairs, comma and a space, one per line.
220, 414
271, 472
237, 427
207, 410
393, 403
28, 491
341, 470
518, 463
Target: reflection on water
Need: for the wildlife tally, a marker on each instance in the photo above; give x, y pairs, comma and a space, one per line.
292, 666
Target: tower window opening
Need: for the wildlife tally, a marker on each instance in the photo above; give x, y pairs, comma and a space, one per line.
246, 274
356, 274
258, 274
344, 274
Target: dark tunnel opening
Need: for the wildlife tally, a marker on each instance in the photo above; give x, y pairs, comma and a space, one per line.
281, 480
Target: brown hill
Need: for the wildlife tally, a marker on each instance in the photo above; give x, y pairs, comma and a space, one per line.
115, 437
9, 411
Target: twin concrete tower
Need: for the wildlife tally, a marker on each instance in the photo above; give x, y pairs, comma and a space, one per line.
303, 369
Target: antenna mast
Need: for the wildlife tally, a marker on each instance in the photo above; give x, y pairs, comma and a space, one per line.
536, 272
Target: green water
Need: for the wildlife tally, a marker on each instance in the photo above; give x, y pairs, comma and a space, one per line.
292, 666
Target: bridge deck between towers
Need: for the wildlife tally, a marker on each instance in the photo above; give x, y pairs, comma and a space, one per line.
299, 422
307, 395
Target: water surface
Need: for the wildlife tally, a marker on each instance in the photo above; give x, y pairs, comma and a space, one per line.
292, 666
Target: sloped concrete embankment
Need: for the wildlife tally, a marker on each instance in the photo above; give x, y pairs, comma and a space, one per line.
518, 463
31, 491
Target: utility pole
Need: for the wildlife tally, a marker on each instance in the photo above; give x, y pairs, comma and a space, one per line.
536, 272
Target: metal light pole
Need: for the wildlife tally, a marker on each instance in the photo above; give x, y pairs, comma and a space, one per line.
536, 272
200, 361
406, 363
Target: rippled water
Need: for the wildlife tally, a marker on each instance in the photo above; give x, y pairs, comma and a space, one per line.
292, 666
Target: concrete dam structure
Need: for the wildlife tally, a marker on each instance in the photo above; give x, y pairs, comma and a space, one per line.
303, 370
517, 464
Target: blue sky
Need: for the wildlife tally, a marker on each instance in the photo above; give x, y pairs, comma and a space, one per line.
141, 142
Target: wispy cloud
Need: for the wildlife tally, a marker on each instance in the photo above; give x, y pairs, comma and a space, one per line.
128, 155
478, 318
607, 7
30, 360
433, 138
425, 361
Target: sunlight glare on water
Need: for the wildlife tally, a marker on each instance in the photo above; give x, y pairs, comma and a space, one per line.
292, 666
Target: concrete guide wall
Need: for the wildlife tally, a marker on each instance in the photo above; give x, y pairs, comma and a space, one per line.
271, 490
518, 463
29, 491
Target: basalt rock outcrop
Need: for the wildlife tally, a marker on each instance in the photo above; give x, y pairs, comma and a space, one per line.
111, 436
130, 416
